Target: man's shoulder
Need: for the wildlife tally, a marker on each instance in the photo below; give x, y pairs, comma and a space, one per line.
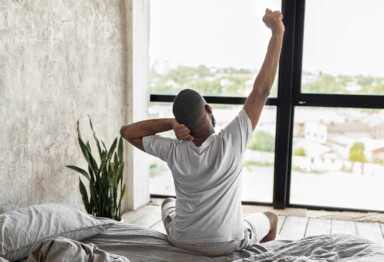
240, 120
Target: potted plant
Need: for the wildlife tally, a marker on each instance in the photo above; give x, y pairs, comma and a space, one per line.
106, 188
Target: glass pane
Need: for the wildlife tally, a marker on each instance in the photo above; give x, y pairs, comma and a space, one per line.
215, 47
343, 48
258, 162
338, 158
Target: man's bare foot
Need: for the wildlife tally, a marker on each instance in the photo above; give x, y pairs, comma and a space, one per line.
273, 218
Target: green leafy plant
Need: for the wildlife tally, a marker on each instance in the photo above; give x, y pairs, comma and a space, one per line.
106, 188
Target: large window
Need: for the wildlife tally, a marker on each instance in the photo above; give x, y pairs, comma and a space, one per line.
338, 157
343, 49
336, 150
320, 141
215, 47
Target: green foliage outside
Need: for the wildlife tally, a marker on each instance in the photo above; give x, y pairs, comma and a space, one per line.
239, 81
207, 81
326, 83
356, 152
156, 166
299, 152
262, 141
250, 163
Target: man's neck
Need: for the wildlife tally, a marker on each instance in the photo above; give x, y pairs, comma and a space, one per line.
202, 131
199, 140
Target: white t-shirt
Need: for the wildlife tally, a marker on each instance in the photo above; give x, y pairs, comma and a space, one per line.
208, 182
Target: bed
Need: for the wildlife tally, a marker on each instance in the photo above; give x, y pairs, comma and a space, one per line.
56, 232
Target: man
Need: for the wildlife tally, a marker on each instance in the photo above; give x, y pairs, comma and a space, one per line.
206, 216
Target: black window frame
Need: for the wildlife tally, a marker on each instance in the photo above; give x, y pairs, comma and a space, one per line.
289, 97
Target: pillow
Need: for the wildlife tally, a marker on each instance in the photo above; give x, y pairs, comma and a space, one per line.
22, 230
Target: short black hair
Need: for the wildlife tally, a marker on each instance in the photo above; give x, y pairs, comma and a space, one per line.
189, 108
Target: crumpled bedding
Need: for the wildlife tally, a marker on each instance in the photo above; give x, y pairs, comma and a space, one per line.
328, 247
142, 244
124, 242
64, 249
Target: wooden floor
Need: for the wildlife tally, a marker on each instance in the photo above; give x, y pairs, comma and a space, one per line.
289, 227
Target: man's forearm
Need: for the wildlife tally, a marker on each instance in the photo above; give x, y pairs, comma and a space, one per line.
146, 128
263, 83
264, 80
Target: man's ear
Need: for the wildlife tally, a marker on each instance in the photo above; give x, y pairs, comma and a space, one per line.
208, 108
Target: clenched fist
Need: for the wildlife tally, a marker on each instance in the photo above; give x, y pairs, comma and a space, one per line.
273, 20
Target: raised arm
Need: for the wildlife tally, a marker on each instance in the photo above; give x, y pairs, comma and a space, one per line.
135, 132
263, 83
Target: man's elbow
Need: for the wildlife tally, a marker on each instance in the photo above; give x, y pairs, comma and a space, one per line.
123, 132
267, 93
126, 133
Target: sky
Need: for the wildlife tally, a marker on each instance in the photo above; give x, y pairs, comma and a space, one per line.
341, 37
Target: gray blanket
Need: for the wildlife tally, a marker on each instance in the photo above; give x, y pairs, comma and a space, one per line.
64, 249
124, 242
142, 244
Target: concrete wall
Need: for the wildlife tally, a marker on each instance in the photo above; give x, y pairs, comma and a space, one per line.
60, 60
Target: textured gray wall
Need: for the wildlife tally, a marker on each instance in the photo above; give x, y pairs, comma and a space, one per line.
60, 60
